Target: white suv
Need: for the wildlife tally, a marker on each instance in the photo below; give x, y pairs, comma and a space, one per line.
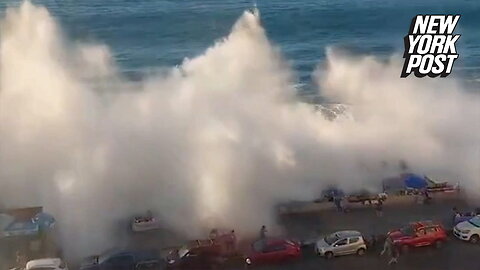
468, 230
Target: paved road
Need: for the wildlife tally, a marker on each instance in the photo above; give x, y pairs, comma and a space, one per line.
312, 220
454, 255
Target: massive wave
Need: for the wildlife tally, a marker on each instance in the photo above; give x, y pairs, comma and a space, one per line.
216, 141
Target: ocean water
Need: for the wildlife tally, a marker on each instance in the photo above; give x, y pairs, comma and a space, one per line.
148, 34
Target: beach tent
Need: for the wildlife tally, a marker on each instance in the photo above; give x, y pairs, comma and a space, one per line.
415, 181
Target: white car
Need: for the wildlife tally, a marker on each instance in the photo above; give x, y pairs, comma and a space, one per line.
143, 224
46, 264
341, 243
468, 230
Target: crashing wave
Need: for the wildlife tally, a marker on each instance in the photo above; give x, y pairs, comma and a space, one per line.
334, 111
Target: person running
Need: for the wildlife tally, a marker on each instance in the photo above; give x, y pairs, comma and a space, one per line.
391, 250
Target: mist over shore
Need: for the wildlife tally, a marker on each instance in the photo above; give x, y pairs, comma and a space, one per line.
217, 141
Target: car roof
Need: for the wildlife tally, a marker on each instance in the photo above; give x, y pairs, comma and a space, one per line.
46, 262
342, 234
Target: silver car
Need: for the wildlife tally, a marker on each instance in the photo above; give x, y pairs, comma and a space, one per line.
341, 243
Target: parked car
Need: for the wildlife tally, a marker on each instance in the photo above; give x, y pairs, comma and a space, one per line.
122, 260
145, 223
341, 243
272, 251
47, 264
365, 196
24, 222
419, 234
468, 230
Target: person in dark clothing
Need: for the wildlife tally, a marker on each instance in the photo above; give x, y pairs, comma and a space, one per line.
426, 195
337, 200
379, 208
263, 236
455, 214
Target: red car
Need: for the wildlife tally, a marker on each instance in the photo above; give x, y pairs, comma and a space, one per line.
419, 234
197, 254
272, 251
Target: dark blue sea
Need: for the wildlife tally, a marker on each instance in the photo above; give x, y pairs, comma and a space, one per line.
148, 34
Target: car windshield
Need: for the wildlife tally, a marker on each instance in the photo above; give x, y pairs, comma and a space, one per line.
408, 230
330, 239
475, 221
183, 251
105, 256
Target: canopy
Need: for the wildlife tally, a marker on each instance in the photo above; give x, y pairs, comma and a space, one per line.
415, 181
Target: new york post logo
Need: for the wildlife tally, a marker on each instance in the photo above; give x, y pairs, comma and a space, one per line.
430, 46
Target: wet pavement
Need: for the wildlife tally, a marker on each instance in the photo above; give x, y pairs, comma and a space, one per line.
307, 221
454, 255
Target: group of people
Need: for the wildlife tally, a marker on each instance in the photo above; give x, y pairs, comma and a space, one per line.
229, 239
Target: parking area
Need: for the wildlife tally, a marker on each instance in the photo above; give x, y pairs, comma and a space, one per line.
397, 212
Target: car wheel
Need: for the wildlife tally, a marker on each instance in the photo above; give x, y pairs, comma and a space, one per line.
361, 252
329, 255
474, 239
405, 248
438, 244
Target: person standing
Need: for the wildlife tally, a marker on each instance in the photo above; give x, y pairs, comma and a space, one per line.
455, 214
213, 234
427, 199
263, 236
379, 208
21, 259
263, 232
338, 203
231, 242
